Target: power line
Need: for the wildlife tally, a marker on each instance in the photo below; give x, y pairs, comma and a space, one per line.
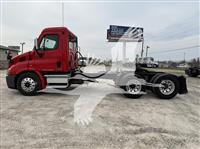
186, 28
172, 35
179, 49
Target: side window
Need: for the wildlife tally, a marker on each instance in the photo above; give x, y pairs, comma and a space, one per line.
49, 42
72, 42
75, 45
71, 45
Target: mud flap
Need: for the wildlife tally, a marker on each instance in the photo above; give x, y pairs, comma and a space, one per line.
183, 85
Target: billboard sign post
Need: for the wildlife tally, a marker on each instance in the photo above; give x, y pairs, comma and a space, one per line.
125, 34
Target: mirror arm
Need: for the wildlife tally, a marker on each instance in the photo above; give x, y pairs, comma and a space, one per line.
36, 48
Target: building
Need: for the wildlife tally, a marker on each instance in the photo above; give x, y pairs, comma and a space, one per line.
14, 50
183, 65
163, 64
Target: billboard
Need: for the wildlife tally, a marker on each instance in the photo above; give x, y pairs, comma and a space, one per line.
124, 33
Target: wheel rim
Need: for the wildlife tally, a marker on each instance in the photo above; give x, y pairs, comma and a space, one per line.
133, 87
28, 84
167, 87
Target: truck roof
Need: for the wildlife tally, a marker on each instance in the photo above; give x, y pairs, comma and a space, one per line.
65, 29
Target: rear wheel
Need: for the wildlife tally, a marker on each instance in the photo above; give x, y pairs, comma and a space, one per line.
28, 84
168, 86
133, 88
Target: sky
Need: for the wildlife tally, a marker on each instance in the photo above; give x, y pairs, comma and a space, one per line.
168, 25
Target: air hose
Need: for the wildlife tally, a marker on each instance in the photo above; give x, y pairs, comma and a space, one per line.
91, 77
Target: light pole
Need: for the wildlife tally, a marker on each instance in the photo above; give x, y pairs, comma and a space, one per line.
22, 44
142, 48
147, 50
184, 57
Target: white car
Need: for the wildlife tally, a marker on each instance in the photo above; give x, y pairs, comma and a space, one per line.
147, 62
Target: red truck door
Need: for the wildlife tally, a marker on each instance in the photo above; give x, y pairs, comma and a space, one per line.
48, 58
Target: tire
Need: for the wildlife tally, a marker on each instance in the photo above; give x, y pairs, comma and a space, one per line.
155, 66
171, 86
128, 86
193, 75
28, 84
132, 96
153, 78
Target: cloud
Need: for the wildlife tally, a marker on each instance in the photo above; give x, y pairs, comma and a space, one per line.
182, 29
89, 21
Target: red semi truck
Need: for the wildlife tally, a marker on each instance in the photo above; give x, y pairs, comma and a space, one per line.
54, 62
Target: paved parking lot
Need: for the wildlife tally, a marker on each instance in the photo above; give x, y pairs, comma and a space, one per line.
47, 121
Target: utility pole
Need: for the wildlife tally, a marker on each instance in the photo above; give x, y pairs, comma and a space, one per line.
147, 50
22, 44
184, 57
142, 48
63, 7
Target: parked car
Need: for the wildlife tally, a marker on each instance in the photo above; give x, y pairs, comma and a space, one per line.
192, 71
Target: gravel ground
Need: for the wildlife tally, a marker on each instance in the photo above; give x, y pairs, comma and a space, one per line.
46, 121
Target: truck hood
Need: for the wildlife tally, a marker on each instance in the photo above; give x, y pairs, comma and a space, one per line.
21, 58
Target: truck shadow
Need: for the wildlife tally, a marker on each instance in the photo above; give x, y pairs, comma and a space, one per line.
110, 96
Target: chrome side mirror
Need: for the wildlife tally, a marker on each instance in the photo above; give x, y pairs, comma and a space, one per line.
36, 44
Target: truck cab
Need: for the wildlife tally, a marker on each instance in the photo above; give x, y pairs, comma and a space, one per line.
55, 52
147, 62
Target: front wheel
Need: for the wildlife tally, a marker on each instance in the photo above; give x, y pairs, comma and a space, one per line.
168, 86
28, 84
134, 88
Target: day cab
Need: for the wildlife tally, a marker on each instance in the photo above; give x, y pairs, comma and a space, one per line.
55, 52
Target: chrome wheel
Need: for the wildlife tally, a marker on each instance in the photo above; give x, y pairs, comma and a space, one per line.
133, 87
28, 84
167, 87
